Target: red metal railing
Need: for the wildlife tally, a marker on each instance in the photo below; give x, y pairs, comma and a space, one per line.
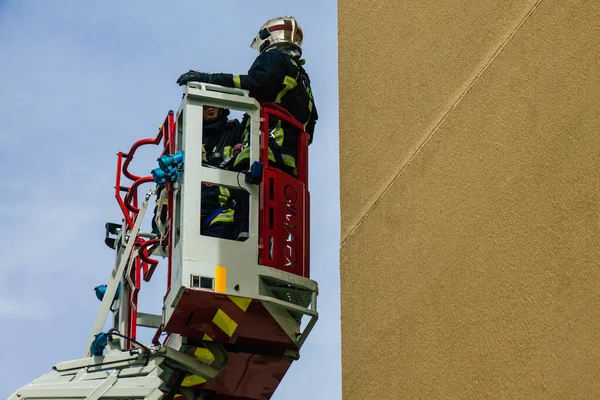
128, 205
144, 265
284, 224
143, 251
118, 189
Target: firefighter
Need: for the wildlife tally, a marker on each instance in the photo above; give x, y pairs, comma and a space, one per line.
277, 75
219, 138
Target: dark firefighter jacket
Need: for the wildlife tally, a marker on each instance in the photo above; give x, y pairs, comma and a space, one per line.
280, 78
218, 139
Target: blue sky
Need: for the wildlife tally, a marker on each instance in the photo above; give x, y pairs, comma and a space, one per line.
80, 81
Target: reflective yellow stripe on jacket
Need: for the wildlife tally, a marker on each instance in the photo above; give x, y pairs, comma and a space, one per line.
224, 195
289, 84
237, 82
287, 159
225, 217
277, 134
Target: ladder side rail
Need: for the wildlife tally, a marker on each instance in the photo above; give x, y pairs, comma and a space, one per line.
116, 276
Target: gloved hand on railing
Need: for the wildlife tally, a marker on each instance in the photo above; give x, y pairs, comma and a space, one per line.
193, 76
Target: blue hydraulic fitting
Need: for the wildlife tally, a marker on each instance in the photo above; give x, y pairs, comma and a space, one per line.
161, 177
99, 344
168, 170
167, 162
101, 290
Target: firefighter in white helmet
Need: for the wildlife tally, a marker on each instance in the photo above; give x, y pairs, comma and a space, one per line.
277, 75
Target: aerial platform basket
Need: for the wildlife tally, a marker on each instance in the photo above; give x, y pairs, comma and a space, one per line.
235, 313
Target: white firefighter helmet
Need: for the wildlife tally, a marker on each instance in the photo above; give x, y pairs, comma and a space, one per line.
279, 30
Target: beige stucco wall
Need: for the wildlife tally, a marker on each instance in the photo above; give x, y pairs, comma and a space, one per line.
470, 195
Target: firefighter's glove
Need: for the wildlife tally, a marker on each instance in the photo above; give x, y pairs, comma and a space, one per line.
193, 76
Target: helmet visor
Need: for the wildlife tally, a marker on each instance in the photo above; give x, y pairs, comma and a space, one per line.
255, 43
